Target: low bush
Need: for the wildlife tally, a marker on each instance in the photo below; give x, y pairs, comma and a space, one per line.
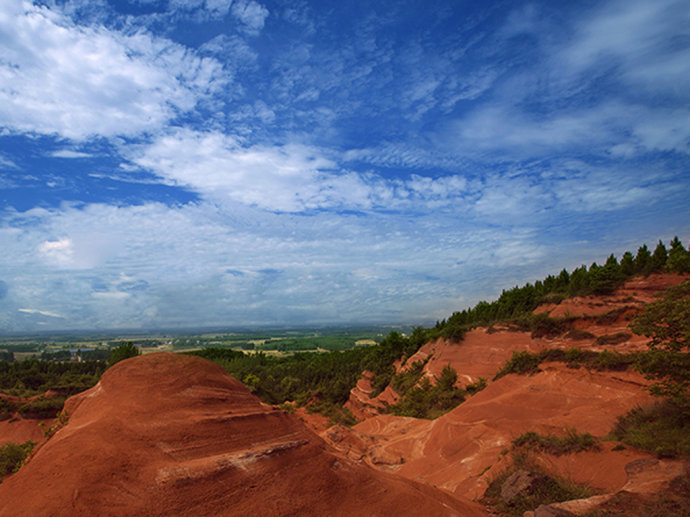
662, 428
571, 442
476, 387
579, 335
521, 363
12, 456
542, 325
42, 407
550, 489
427, 401
7, 408
526, 363
404, 381
613, 339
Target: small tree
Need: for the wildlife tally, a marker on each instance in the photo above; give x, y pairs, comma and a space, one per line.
124, 351
667, 323
678, 258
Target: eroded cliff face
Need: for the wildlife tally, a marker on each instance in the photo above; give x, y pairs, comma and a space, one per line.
465, 449
166, 434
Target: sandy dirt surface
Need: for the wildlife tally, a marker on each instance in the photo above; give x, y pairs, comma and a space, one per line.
165, 434
19, 430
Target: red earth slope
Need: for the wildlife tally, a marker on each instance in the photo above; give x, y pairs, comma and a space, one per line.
166, 434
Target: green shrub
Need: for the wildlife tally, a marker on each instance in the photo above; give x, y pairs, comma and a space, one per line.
522, 363
477, 386
578, 335
427, 401
7, 408
122, 352
12, 456
551, 489
571, 442
613, 339
662, 428
404, 381
42, 407
542, 325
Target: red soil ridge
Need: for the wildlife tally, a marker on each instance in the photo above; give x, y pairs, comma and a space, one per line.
166, 434
462, 451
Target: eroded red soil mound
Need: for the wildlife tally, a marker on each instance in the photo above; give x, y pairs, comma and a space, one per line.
164, 434
458, 451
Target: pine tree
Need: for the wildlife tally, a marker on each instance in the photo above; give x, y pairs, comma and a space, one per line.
643, 260
678, 258
659, 257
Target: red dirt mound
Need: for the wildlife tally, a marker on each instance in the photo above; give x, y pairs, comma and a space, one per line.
164, 434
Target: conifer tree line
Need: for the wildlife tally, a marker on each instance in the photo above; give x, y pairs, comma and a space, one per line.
595, 279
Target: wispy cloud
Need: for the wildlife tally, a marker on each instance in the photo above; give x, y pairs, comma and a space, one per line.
237, 162
77, 82
68, 153
42, 313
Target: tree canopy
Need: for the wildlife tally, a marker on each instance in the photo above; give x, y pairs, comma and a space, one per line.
667, 323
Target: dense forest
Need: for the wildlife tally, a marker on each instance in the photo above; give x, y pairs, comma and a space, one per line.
595, 279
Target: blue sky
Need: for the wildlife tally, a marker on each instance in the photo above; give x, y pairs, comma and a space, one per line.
168, 163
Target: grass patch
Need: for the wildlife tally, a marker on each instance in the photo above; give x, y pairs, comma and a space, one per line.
12, 456
571, 442
661, 428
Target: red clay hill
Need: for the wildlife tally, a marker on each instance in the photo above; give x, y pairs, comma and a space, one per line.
167, 434
465, 449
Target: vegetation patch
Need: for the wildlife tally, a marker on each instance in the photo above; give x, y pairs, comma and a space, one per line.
662, 428
527, 363
7, 408
43, 407
406, 380
521, 363
557, 445
546, 489
544, 326
13, 455
579, 335
613, 339
337, 414
32, 377
427, 401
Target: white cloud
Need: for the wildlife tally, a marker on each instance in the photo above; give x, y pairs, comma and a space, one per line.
287, 178
42, 313
57, 77
251, 14
7, 163
202, 264
68, 153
